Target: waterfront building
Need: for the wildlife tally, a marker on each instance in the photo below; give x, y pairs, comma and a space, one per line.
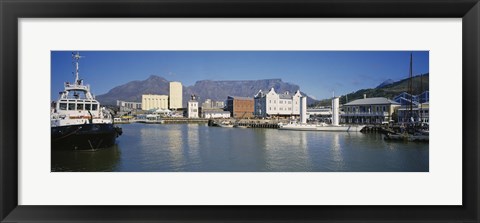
369, 110
175, 100
126, 106
192, 107
418, 113
321, 114
153, 101
215, 114
163, 112
209, 104
273, 104
404, 98
240, 107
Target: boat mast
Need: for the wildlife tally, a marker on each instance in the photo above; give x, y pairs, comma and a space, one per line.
76, 57
410, 88
420, 113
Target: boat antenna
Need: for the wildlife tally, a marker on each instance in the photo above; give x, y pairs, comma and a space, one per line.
76, 57
410, 88
420, 113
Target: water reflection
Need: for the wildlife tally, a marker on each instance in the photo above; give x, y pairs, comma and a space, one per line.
283, 147
337, 151
86, 161
199, 148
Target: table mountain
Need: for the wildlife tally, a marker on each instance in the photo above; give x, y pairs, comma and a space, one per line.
204, 89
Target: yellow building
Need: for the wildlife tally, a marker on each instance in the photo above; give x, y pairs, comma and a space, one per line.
175, 95
154, 101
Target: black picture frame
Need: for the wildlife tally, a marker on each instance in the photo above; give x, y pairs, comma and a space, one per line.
11, 11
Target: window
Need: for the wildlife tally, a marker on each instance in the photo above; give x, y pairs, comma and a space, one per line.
383, 108
88, 106
94, 107
79, 106
63, 106
71, 106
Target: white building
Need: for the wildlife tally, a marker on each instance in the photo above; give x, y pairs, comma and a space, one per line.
209, 104
192, 107
215, 114
273, 104
126, 106
153, 101
175, 95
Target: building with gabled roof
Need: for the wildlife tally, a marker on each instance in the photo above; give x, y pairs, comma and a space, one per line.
271, 103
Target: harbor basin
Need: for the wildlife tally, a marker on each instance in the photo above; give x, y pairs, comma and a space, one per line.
200, 148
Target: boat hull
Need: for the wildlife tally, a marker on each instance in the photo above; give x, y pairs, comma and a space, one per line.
84, 137
298, 127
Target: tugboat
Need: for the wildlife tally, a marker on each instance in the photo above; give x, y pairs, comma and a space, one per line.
77, 120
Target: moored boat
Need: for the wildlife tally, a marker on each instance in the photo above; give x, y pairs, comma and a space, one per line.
77, 120
225, 125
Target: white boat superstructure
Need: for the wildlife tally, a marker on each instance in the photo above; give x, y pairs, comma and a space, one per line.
77, 105
225, 125
303, 126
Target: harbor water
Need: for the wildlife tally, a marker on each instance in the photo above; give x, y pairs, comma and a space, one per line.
200, 148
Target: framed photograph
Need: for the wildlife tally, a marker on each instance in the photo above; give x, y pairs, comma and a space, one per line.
239, 111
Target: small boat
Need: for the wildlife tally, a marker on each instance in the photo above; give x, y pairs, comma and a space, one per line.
212, 123
78, 122
225, 125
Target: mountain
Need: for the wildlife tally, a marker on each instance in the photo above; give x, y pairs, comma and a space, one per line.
204, 89
133, 90
387, 82
385, 90
220, 90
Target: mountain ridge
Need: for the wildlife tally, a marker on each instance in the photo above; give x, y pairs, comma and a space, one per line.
204, 89
420, 83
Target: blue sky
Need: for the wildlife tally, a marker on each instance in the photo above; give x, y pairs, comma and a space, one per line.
318, 73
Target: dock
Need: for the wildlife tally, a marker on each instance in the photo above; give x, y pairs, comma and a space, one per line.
179, 120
